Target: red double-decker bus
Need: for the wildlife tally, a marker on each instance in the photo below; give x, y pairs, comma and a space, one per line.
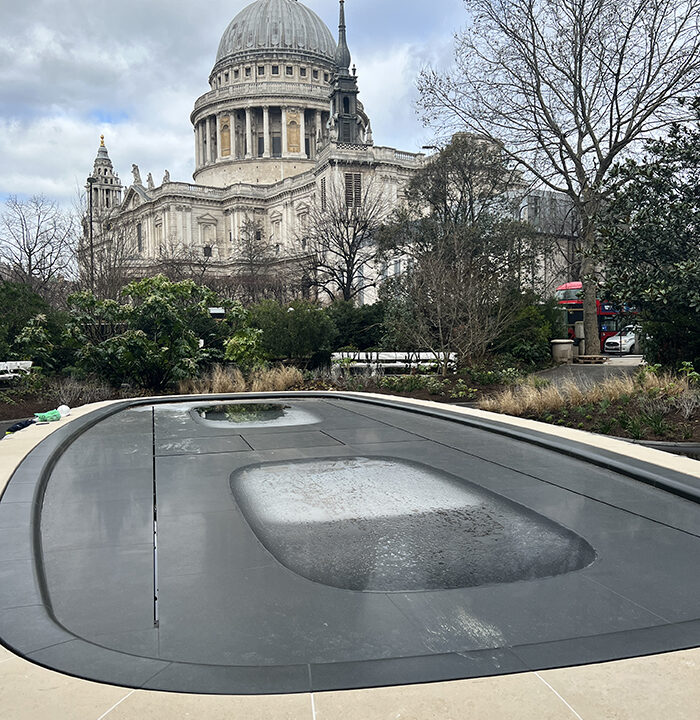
571, 296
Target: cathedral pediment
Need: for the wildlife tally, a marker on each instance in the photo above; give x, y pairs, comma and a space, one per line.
207, 219
134, 198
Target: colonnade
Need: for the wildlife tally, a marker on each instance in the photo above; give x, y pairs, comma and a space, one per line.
260, 132
106, 196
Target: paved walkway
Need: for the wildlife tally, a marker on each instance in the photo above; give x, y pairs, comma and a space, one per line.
586, 375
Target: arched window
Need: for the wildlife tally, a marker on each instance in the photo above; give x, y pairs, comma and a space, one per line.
225, 140
293, 137
346, 105
207, 251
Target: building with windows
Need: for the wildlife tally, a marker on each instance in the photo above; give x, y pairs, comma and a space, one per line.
280, 128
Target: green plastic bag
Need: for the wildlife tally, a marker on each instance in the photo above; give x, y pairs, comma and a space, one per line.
50, 416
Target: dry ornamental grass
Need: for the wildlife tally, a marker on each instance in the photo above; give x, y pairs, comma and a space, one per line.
644, 406
223, 380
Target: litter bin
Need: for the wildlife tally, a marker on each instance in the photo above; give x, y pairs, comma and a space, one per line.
562, 351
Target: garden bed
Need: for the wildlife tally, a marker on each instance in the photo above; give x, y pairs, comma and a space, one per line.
647, 406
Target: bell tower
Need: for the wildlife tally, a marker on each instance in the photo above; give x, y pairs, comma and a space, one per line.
345, 119
104, 184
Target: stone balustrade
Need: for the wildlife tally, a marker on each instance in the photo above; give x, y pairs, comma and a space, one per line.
249, 90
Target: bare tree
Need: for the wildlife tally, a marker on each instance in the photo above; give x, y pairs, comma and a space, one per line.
37, 242
462, 290
114, 250
447, 305
257, 264
570, 86
469, 259
340, 236
179, 261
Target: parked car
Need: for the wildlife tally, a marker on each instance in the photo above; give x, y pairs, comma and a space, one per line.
623, 342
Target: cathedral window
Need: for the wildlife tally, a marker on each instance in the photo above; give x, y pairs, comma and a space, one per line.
139, 238
325, 76
247, 72
261, 69
290, 70
276, 146
346, 105
302, 72
236, 74
315, 74
324, 195
226, 77
225, 138
207, 251
275, 69
353, 189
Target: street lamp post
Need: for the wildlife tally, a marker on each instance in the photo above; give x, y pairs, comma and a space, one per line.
91, 181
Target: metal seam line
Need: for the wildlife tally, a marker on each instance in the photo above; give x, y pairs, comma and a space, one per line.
116, 705
156, 619
559, 696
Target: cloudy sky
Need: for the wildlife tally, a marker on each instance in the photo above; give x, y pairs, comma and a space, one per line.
73, 69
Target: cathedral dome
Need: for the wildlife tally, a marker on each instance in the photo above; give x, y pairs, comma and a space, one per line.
277, 26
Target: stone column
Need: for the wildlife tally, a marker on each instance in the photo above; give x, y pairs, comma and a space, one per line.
302, 132
207, 144
217, 120
266, 131
248, 133
285, 151
200, 146
196, 146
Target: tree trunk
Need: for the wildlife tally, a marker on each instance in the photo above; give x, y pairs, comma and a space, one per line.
590, 307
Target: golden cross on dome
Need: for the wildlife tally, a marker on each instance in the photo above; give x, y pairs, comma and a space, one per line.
102, 140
